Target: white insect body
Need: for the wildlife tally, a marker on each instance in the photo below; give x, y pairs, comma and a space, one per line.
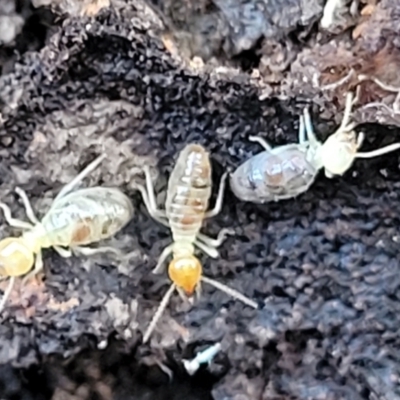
286, 171
75, 219
188, 194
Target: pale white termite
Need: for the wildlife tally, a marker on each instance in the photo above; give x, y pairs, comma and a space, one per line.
188, 194
286, 171
76, 218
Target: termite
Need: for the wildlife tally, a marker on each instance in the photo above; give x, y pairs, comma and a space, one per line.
286, 171
188, 194
76, 218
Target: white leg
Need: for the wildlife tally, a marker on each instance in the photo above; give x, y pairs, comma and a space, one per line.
160, 267
231, 292
88, 170
223, 233
16, 223
27, 204
220, 197
36, 270
90, 251
261, 141
345, 126
360, 139
158, 215
7, 293
309, 127
163, 305
302, 130
66, 253
209, 250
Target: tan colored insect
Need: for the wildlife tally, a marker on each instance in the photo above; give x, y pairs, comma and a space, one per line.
188, 194
286, 171
76, 218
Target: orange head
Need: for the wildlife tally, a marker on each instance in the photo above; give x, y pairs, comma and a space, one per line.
15, 257
185, 272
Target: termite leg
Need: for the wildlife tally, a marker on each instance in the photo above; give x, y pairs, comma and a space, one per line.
36, 270
209, 250
90, 251
16, 223
66, 253
309, 127
302, 131
261, 141
86, 171
7, 293
27, 204
220, 197
149, 198
223, 233
161, 260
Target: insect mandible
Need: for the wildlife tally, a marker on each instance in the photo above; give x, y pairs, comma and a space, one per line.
286, 171
75, 219
188, 194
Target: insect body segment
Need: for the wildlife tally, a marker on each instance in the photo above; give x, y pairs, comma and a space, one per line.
76, 218
286, 171
189, 191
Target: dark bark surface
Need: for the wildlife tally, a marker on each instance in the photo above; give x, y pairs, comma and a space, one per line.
324, 266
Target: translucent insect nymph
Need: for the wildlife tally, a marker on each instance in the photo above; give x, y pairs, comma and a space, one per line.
188, 194
286, 171
75, 219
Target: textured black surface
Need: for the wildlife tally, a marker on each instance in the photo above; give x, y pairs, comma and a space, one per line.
325, 266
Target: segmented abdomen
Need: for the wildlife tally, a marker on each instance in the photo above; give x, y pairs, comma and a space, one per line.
189, 190
273, 176
86, 216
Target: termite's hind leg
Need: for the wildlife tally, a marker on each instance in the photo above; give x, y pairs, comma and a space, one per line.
220, 198
149, 198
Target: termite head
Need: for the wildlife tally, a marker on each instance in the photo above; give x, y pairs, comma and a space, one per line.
185, 271
16, 258
339, 151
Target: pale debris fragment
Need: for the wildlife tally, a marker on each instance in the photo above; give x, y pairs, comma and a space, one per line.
204, 357
334, 14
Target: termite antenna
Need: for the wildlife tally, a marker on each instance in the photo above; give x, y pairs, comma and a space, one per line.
85, 172
158, 313
345, 126
377, 81
231, 292
7, 293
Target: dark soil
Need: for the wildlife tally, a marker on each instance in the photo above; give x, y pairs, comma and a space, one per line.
324, 267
